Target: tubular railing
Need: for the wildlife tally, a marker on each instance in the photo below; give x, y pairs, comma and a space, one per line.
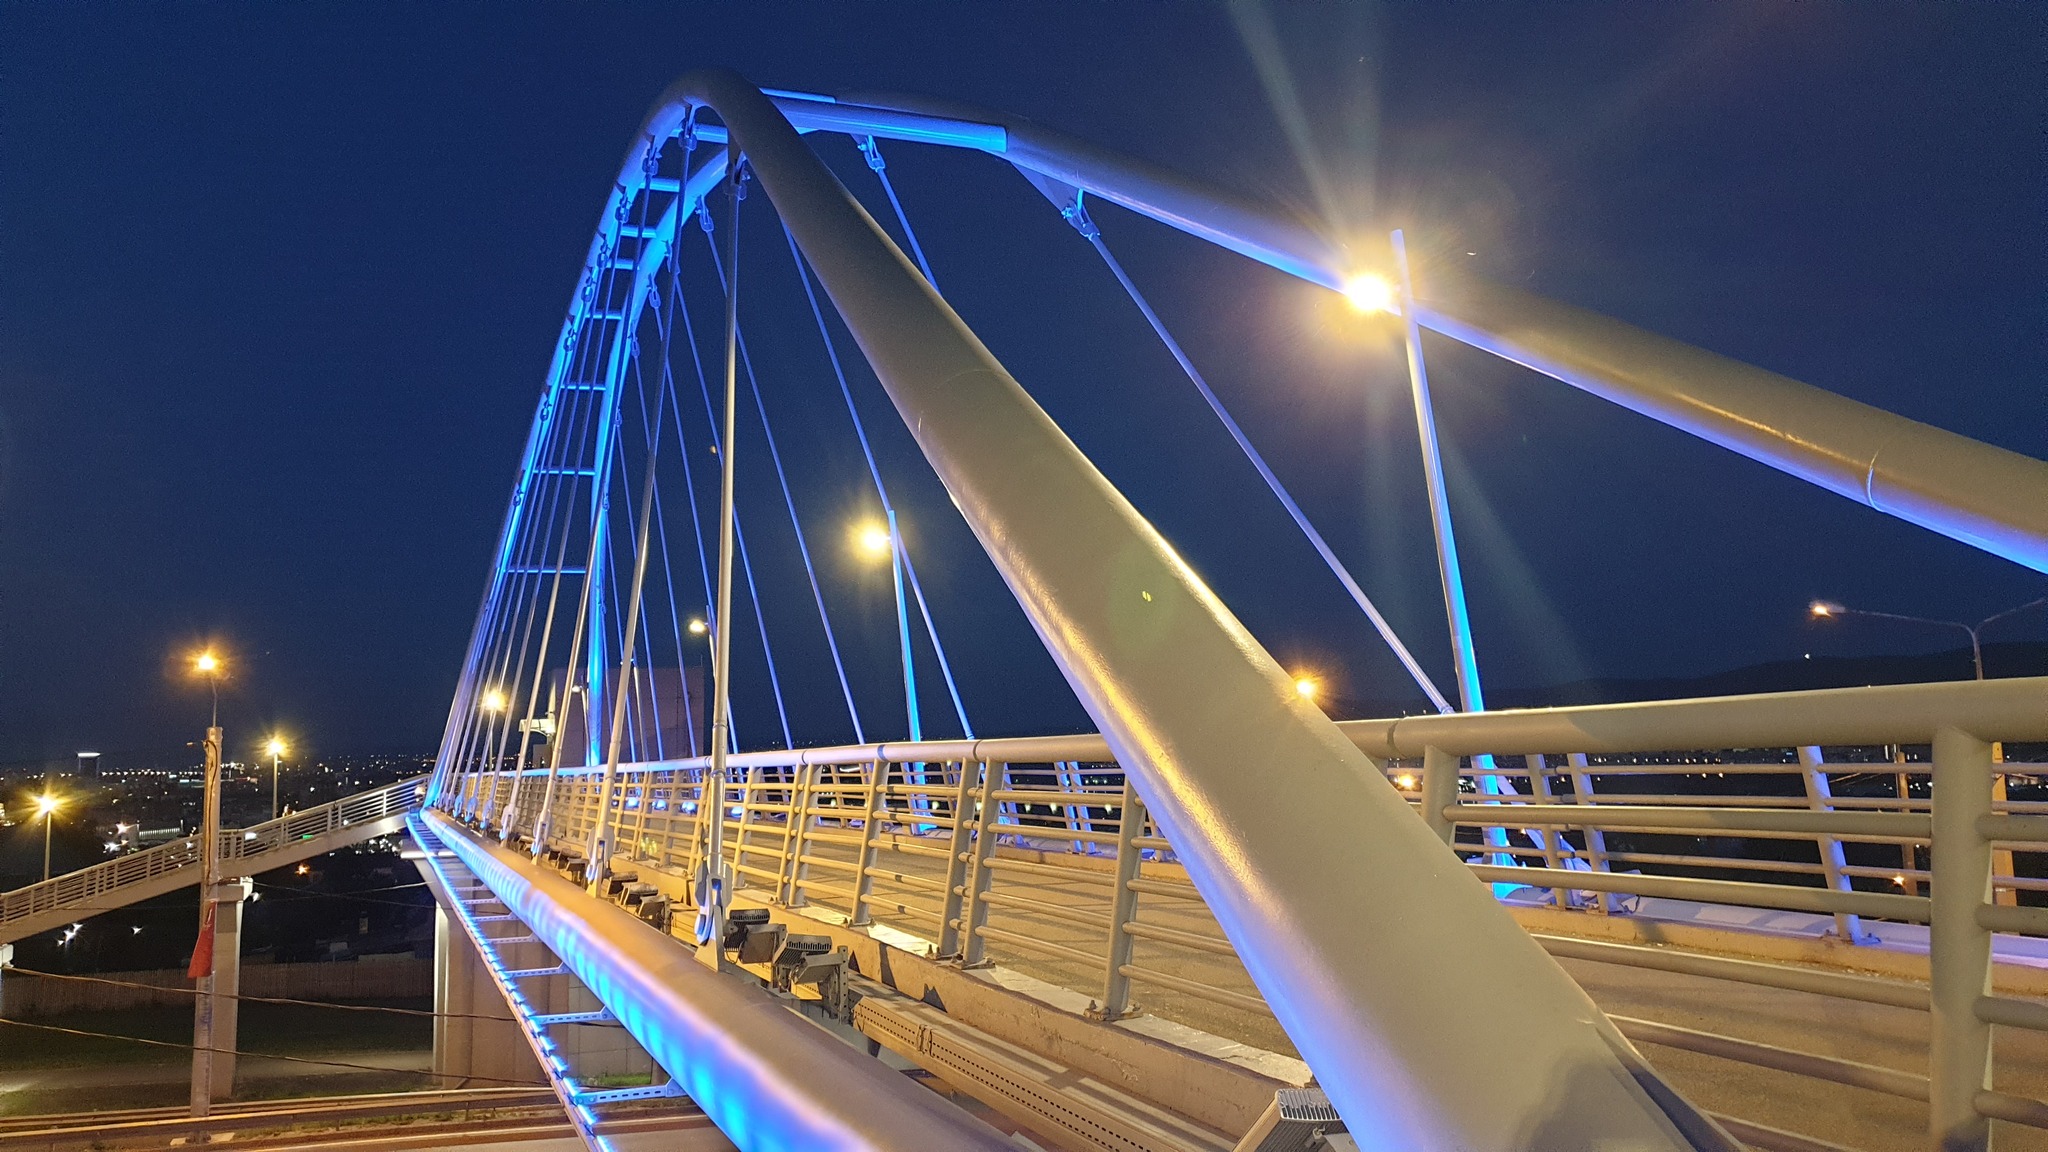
1038, 853
241, 852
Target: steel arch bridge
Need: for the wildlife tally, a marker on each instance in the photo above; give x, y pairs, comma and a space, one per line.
576, 719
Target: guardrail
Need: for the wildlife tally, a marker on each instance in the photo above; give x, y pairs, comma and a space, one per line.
1848, 804
243, 851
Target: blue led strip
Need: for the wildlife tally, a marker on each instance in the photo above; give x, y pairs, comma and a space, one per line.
544, 1050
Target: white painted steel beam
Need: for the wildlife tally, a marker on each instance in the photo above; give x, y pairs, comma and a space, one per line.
1335, 906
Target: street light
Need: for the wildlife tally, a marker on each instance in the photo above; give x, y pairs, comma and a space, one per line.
494, 701
1372, 292
1306, 688
46, 807
1829, 610
276, 748
209, 665
698, 627
877, 541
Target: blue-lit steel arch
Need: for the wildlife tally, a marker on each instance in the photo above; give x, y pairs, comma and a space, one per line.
1962, 489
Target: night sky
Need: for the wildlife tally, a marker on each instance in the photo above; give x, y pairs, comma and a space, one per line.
279, 284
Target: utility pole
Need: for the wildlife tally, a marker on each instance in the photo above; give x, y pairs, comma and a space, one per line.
203, 961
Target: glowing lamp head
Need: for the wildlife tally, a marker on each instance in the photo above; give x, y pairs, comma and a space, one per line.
1405, 782
1372, 292
276, 747
873, 541
1822, 610
494, 701
1306, 688
206, 664
46, 804
698, 627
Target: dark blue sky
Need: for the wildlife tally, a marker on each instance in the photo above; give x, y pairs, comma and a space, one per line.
278, 286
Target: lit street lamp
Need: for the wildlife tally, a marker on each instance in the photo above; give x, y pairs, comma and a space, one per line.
277, 749
1828, 610
880, 541
46, 807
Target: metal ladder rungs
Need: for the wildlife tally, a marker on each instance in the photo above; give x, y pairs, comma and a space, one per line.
600, 1097
600, 1016
529, 973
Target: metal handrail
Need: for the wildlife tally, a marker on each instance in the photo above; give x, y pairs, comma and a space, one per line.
243, 846
822, 826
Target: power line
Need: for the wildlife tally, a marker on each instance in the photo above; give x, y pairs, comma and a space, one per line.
260, 1055
172, 988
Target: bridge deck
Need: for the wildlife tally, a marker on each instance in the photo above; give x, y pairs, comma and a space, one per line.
1041, 939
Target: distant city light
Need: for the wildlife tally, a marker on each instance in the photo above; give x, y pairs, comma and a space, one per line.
1306, 688
303, 869
1371, 292
872, 539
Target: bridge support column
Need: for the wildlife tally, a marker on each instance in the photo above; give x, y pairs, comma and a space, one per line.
217, 1015
475, 1038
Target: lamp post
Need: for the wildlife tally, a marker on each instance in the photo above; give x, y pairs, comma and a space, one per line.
206, 664
699, 716
1828, 610
46, 807
276, 748
876, 541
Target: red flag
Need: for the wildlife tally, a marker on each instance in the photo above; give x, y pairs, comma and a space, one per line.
202, 952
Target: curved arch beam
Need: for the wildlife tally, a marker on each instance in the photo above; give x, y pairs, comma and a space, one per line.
1433, 1021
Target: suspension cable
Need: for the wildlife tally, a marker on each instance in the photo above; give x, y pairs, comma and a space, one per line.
1076, 213
875, 473
740, 537
789, 502
873, 151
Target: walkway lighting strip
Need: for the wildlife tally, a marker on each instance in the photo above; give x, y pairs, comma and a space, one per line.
565, 1088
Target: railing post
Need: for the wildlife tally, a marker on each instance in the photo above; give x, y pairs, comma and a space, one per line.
698, 823
1539, 786
1123, 905
1908, 853
1439, 791
1596, 840
790, 892
974, 910
2001, 858
1848, 925
1959, 948
957, 847
878, 787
